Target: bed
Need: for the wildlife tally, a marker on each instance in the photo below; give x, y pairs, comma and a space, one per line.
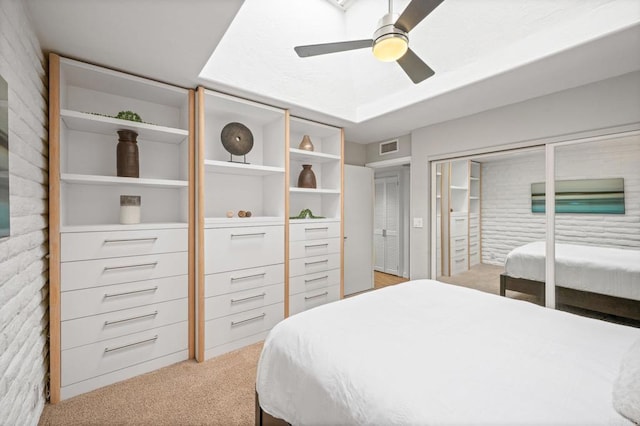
600, 279
426, 352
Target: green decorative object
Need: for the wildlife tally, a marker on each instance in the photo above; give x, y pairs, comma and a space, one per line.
306, 214
129, 115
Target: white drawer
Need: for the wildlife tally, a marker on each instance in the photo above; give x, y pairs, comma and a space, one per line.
312, 298
458, 242
241, 301
313, 231
99, 358
82, 331
474, 254
227, 249
309, 265
99, 245
98, 300
234, 327
459, 246
94, 273
243, 279
474, 227
315, 281
298, 249
458, 226
459, 264
473, 239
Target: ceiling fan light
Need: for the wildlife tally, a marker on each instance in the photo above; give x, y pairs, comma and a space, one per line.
390, 47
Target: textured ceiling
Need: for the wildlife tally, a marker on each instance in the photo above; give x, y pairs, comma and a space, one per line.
465, 41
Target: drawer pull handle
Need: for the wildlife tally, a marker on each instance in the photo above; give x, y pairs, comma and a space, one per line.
474, 253
316, 245
459, 220
316, 262
248, 276
473, 226
316, 296
139, 265
234, 323
153, 339
324, 228
459, 250
144, 290
460, 240
317, 279
131, 319
461, 260
253, 234
244, 299
130, 240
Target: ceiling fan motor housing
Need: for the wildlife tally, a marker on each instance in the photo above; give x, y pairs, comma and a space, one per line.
387, 30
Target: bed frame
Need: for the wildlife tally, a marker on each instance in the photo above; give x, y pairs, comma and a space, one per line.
618, 306
265, 419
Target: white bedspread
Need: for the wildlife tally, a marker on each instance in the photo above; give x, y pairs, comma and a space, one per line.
425, 352
603, 270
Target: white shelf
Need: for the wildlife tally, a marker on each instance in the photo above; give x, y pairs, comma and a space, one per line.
323, 220
474, 197
311, 156
314, 190
121, 227
214, 222
116, 180
474, 178
93, 123
215, 166
459, 188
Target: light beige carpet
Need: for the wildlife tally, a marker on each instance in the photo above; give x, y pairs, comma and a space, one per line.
216, 392
485, 278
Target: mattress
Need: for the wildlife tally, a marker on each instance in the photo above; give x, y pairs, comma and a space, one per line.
426, 352
603, 270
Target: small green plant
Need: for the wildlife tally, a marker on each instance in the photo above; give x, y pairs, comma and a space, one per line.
129, 115
306, 214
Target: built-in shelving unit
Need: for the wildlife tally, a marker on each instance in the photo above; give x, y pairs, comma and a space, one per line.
461, 229
314, 266
241, 259
97, 263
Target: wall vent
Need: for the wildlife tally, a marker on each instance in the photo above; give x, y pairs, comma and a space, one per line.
388, 147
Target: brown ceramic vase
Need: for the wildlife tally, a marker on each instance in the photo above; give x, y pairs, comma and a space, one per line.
307, 178
127, 161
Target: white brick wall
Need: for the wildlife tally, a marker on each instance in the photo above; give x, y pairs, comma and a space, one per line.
507, 221
23, 263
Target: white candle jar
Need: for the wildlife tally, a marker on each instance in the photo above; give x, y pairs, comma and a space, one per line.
129, 209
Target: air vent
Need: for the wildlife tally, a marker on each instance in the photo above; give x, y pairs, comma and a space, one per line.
389, 147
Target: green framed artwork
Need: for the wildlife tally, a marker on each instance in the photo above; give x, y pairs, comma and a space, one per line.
598, 196
4, 159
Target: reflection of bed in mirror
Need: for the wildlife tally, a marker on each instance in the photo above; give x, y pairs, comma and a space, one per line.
601, 279
426, 352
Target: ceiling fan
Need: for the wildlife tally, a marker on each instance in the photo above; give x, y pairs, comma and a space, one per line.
390, 41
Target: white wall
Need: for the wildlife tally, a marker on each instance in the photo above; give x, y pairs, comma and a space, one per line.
507, 220
404, 150
23, 266
355, 154
585, 109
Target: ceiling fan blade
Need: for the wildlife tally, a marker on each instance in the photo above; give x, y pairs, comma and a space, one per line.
415, 68
415, 12
323, 49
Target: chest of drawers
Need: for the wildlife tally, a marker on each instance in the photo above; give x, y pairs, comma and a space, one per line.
123, 305
244, 285
314, 265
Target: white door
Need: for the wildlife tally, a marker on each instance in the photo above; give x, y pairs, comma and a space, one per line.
358, 224
386, 224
